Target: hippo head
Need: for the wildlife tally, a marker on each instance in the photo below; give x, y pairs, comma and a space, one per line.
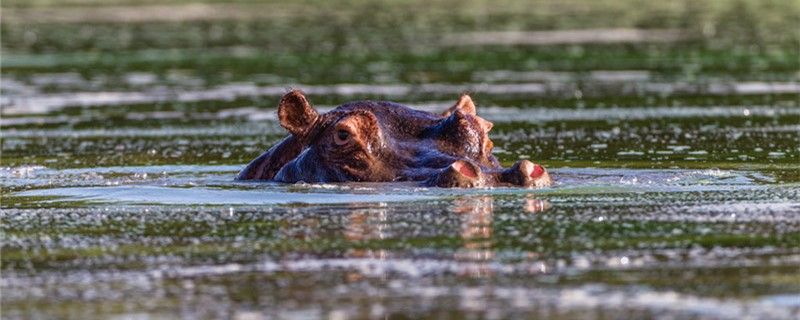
384, 141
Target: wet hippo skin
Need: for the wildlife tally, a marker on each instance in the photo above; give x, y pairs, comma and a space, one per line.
373, 141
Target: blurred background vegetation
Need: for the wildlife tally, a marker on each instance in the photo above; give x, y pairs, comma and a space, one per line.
311, 41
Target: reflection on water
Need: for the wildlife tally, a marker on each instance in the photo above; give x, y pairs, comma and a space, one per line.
476, 215
534, 205
476, 225
364, 225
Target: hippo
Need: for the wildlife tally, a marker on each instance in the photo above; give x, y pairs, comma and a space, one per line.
380, 141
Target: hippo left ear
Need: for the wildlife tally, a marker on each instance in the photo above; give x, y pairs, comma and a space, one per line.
296, 114
464, 104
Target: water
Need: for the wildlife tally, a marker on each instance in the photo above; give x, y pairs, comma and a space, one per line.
673, 134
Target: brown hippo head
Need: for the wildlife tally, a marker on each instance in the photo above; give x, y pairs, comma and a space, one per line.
384, 141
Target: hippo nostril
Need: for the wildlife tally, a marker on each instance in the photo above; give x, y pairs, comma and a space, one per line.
459, 174
526, 168
537, 171
464, 169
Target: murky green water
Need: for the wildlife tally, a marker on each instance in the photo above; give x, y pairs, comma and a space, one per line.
674, 147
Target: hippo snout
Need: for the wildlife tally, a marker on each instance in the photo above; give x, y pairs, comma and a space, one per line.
466, 174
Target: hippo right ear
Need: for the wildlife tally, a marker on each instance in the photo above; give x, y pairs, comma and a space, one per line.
464, 104
296, 114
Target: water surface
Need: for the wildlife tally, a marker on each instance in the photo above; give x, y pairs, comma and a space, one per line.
673, 134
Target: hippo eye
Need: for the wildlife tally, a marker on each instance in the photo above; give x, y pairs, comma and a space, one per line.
341, 137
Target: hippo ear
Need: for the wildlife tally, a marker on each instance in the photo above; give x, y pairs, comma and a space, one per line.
464, 104
296, 114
